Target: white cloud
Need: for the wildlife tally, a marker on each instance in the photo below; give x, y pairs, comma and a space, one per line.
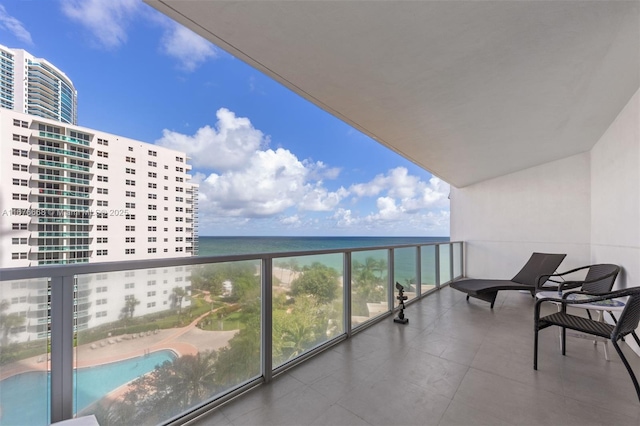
106, 20
187, 47
14, 26
291, 220
228, 146
320, 199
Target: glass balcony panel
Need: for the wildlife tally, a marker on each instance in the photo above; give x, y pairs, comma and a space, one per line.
445, 263
154, 343
369, 285
457, 257
427, 268
308, 306
24, 342
404, 270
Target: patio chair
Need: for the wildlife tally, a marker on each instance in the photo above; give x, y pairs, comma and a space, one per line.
527, 279
626, 324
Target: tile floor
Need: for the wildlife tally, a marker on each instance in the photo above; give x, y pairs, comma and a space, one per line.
455, 363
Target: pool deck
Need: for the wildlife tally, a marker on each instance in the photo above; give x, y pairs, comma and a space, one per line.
188, 340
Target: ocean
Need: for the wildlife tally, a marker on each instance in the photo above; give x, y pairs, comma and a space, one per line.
405, 266
219, 246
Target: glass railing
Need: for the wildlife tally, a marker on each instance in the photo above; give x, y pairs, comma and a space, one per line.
64, 138
64, 179
63, 151
63, 165
63, 193
63, 206
157, 341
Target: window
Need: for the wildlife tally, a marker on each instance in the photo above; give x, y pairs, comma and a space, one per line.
179, 229
130, 251
102, 227
153, 164
21, 197
153, 153
103, 191
130, 171
151, 271
20, 153
152, 185
151, 304
103, 179
151, 229
152, 207
130, 216
130, 228
179, 219
179, 179
179, 189
130, 159
130, 148
130, 194
102, 166
20, 123
166, 188
101, 302
180, 159
103, 142
20, 167
129, 205
130, 240
179, 199
150, 217
130, 182
101, 314
151, 250
102, 215
151, 293
18, 241
151, 239
179, 169
166, 178
103, 154
102, 252
179, 239
152, 174
152, 196
151, 282
166, 219
102, 240
178, 248
20, 182
102, 203
129, 273
129, 285
179, 209
101, 289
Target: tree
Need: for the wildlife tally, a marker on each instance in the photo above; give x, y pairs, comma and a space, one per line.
129, 307
179, 293
8, 322
319, 281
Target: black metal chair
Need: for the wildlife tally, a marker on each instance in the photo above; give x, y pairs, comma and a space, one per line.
599, 279
626, 324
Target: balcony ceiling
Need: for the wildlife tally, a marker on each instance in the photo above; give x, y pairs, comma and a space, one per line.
469, 90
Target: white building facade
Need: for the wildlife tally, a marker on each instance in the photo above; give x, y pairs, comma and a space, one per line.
35, 86
75, 195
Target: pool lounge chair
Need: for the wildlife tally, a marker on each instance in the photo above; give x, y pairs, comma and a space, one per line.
527, 279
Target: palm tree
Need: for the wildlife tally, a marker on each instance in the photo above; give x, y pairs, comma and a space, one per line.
8, 322
179, 293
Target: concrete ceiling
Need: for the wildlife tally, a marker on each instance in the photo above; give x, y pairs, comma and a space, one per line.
469, 90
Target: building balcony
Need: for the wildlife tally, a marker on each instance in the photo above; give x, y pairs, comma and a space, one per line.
130, 317
59, 165
64, 138
63, 152
57, 178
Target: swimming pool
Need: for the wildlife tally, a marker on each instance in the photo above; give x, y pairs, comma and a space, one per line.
24, 398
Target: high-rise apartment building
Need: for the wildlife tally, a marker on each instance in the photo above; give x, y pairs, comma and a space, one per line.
73, 195
35, 86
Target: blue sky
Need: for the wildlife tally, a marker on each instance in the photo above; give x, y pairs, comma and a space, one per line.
268, 162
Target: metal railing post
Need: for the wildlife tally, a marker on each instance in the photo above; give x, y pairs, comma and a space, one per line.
391, 276
451, 262
437, 261
62, 312
346, 293
418, 273
267, 319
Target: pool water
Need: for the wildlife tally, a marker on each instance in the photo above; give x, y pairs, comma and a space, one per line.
24, 398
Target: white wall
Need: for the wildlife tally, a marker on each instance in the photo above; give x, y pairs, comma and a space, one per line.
615, 195
503, 220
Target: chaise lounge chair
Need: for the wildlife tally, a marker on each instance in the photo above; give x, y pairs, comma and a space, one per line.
527, 279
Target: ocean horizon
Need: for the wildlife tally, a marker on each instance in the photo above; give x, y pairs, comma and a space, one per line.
224, 245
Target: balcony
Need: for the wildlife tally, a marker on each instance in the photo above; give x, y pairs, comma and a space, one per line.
144, 313
455, 362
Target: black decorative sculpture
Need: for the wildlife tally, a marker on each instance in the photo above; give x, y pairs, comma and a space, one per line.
401, 298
